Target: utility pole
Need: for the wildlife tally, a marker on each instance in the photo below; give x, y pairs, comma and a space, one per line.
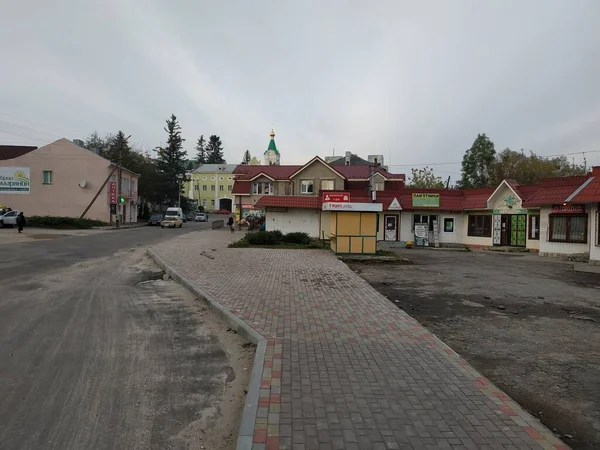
448, 183
371, 182
119, 207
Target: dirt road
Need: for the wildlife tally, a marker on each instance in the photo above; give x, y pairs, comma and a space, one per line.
529, 324
104, 354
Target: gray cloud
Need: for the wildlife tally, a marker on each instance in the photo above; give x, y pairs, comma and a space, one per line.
414, 80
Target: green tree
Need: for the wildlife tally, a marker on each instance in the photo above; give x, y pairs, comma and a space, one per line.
95, 142
254, 161
247, 157
201, 150
425, 178
532, 168
119, 151
214, 150
171, 160
478, 163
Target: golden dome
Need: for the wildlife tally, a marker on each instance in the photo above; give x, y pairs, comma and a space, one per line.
272, 133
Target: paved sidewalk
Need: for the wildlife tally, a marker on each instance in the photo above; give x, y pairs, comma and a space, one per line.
344, 368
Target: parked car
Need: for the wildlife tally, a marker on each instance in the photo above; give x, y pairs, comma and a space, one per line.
201, 217
189, 216
155, 219
9, 219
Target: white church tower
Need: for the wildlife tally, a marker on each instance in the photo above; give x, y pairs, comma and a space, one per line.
272, 154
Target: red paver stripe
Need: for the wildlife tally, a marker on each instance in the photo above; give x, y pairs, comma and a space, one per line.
508, 411
260, 436
275, 398
533, 433
272, 443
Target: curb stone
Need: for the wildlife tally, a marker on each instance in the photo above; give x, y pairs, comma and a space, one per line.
246, 431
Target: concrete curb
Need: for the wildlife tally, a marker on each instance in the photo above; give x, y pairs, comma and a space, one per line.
246, 432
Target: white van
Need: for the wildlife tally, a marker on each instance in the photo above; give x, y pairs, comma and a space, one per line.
173, 218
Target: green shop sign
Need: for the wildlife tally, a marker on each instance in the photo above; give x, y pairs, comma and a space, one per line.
426, 200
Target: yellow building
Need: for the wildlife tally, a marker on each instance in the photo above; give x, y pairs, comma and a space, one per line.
211, 185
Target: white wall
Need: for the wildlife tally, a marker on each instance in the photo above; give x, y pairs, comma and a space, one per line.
294, 219
456, 236
560, 248
407, 233
593, 234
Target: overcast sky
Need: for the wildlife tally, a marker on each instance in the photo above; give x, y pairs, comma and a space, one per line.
413, 80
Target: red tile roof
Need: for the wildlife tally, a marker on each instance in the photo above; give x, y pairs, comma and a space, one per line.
476, 198
549, 196
363, 173
241, 187
590, 193
284, 172
246, 172
14, 151
290, 201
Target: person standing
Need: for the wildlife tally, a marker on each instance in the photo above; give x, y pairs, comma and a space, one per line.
230, 223
20, 221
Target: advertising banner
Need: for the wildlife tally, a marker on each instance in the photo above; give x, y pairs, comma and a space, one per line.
426, 200
112, 189
15, 180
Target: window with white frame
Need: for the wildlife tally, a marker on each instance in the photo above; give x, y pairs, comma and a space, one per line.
327, 185
568, 228
379, 186
229, 187
262, 188
48, 177
307, 187
220, 187
204, 187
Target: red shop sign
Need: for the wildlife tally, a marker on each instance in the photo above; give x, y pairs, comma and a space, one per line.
112, 189
568, 209
336, 197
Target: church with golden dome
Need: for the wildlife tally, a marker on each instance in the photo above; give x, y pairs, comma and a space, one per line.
271, 156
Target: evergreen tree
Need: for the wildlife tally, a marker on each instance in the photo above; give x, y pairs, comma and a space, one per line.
171, 160
118, 150
247, 157
214, 150
478, 163
95, 142
201, 150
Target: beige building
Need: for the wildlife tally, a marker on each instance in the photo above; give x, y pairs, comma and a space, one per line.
61, 179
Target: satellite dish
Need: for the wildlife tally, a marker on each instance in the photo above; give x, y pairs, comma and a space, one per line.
83, 184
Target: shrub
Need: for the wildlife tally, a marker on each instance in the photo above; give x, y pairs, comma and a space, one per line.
239, 244
63, 222
264, 238
297, 237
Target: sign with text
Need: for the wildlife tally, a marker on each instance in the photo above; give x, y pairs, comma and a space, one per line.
112, 192
14, 180
426, 200
568, 209
336, 197
365, 207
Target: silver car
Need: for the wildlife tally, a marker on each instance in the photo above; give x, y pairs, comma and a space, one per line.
201, 217
9, 219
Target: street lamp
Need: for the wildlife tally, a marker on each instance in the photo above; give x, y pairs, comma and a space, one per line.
179, 180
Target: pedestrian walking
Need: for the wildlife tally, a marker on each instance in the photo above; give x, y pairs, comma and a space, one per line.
230, 223
20, 221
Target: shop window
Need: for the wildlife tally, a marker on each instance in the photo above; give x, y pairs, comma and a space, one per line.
306, 187
261, 188
327, 185
534, 228
47, 177
448, 225
480, 226
571, 228
424, 218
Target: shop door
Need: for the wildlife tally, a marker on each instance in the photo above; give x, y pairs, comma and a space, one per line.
518, 227
497, 240
391, 228
505, 229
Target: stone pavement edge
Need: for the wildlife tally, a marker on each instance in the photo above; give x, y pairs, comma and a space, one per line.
337, 365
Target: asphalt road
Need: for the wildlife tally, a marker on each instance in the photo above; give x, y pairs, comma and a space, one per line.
96, 355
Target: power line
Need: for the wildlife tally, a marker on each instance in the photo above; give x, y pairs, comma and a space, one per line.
23, 136
460, 162
30, 129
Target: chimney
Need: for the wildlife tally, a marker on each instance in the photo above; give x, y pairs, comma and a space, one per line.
596, 171
347, 158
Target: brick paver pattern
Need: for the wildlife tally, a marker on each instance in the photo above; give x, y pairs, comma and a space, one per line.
345, 368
